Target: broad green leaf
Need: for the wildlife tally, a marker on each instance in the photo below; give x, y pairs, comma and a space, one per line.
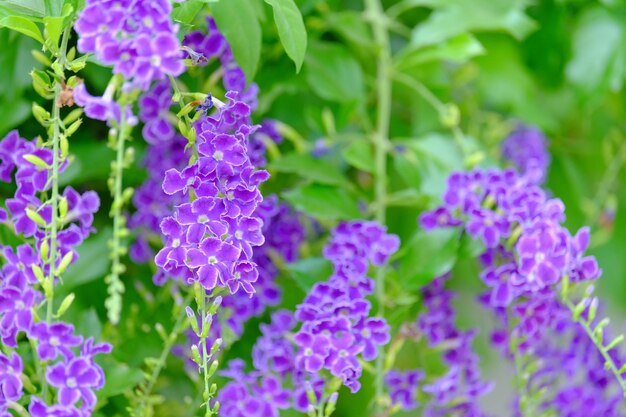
323, 202
53, 7
457, 49
333, 73
598, 51
120, 378
291, 29
186, 12
352, 27
427, 256
13, 113
360, 155
306, 272
92, 264
306, 166
22, 25
456, 17
25, 8
239, 23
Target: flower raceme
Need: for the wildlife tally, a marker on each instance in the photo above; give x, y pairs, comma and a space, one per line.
136, 37
209, 239
23, 277
335, 333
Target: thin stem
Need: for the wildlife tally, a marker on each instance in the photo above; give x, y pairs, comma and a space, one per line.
380, 141
20, 410
609, 363
205, 357
608, 180
54, 199
434, 101
179, 325
115, 284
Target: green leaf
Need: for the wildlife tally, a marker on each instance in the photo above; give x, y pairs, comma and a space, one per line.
186, 12
119, 378
308, 167
457, 49
22, 25
306, 272
91, 264
323, 202
239, 23
352, 27
598, 51
360, 155
333, 73
456, 17
25, 8
291, 29
427, 256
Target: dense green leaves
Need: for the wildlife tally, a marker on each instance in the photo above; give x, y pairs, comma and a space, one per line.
456, 49
290, 29
240, 25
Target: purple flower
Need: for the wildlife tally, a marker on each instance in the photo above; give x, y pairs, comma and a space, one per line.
526, 148
16, 314
54, 339
76, 379
38, 408
10, 383
313, 351
403, 387
136, 37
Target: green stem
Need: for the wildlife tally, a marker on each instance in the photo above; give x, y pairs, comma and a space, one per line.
20, 410
115, 284
434, 101
608, 180
205, 357
54, 199
179, 325
608, 360
380, 141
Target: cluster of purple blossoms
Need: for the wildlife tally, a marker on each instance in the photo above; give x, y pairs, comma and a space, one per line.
402, 386
336, 332
336, 326
22, 276
136, 37
459, 390
210, 239
528, 253
526, 149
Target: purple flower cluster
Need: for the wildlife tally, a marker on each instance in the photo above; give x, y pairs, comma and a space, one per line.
209, 239
136, 37
402, 386
528, 254
526, 149
459, 390
336, 326
335, 333
22, 276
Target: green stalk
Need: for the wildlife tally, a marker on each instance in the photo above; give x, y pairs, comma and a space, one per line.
380, 141
179, 326
54, 199
205, 358
115, 284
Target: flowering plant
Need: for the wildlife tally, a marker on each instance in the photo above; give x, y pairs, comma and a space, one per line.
272, 208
